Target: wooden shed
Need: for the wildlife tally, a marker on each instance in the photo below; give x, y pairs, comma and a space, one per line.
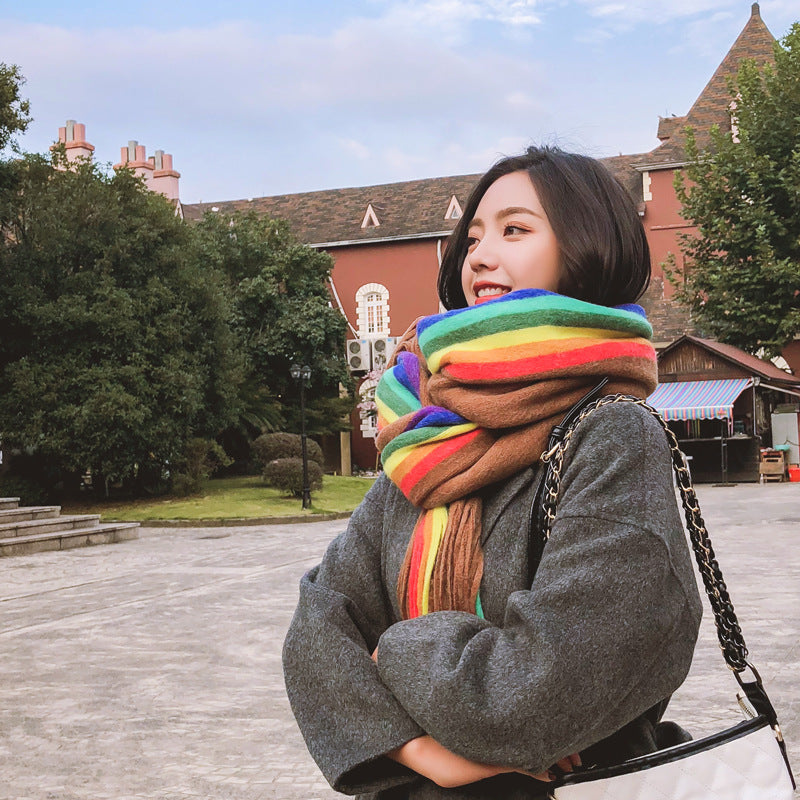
721, 404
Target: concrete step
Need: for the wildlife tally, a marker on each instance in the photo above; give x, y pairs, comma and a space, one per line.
107, 533
27, 513
52, 525
9, 502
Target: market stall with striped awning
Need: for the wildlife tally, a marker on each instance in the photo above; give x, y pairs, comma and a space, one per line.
685, 400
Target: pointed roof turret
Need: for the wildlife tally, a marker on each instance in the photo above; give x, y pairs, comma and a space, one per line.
713, 105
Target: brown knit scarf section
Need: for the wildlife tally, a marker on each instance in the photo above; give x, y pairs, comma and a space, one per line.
515, 418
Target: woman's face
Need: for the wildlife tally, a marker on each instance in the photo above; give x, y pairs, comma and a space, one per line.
510, 243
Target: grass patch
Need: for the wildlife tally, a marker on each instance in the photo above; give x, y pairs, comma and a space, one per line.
233, 498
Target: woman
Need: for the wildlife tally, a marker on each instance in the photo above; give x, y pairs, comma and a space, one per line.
435, 653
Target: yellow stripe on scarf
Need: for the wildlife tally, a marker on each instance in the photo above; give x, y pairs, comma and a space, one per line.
438, 525
399, 455
501, 340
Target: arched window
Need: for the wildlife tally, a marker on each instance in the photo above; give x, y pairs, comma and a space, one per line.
372, 309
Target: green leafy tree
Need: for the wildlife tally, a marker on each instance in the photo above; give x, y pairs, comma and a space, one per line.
116, 347
281, 314
14, 111
742, 273
14, 118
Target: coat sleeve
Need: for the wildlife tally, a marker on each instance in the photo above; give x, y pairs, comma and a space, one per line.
347, 716
606, 631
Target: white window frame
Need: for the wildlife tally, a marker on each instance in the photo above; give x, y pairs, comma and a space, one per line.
372, 297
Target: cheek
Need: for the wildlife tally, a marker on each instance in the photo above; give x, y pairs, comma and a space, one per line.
466, 277
551, 259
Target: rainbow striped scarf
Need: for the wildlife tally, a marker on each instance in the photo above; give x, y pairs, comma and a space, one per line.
470, 400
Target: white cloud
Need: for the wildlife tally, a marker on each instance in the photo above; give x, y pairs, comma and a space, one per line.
638, 11
240, 92
355, 148
456, 13
248, 75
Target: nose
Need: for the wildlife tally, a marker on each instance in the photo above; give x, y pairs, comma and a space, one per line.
482, 256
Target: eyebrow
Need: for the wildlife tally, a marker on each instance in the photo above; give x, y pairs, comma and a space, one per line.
507, 212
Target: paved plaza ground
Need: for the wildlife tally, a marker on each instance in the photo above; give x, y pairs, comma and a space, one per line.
151, 669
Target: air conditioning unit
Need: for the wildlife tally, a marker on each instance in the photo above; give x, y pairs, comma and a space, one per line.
382, 350
358, 355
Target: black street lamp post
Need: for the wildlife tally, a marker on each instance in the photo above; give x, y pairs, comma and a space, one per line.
303, 375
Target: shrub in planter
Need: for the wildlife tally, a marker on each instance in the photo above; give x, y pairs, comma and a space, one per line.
286, 474
271, 446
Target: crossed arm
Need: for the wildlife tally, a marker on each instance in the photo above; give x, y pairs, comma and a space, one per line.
447, 769
442, 677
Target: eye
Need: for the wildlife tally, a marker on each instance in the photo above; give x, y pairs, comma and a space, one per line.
514, 230
471, 242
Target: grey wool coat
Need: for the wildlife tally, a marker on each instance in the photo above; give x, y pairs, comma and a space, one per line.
583, 660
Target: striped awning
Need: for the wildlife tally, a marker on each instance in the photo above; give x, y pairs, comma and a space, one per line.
698, 399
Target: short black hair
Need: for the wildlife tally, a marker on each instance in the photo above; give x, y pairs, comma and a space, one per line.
605, 258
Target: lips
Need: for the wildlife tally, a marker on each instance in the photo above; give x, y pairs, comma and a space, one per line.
488, 291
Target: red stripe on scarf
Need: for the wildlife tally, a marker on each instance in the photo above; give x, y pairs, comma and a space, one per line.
419, 537
439, 452
540, 365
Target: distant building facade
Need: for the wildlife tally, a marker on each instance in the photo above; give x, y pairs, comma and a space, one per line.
387, 240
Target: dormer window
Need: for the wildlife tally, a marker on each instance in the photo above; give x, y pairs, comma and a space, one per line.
454, 209
370, 218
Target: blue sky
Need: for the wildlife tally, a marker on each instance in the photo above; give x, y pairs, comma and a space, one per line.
262, 97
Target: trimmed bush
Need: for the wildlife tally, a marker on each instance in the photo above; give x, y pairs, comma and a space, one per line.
184, 485
201, 459
271, 446
286, 475
29, 492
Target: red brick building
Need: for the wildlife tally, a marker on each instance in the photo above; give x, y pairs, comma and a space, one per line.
387, 240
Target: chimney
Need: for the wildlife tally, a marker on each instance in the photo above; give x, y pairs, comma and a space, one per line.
165, 178
134, 157
73, 137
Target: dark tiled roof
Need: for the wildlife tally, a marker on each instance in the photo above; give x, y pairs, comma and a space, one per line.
621, 167
669, 127
712, 107
750, 363
404, 210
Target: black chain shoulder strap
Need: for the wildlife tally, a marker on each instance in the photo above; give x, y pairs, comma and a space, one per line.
731, 640
729, 633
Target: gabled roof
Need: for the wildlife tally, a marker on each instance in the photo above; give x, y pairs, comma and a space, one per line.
749, 363
712, 107
410, 209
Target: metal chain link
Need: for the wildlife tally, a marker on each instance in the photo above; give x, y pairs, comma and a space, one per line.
729, 633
